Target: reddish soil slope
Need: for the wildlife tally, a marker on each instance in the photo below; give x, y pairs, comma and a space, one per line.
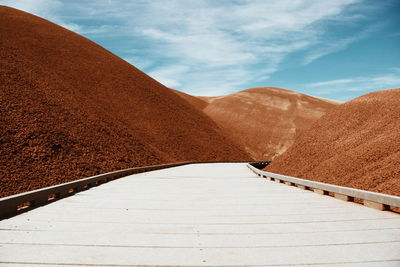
263, 120
357, 144
195, 101
71, 109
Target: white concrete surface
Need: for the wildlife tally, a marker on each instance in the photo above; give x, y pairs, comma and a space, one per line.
200, 215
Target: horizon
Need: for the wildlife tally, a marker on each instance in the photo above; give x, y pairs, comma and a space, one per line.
338, 50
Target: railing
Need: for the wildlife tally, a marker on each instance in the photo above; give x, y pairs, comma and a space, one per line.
369, 199
16, 204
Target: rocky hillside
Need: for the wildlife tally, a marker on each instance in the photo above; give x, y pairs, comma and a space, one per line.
356, 144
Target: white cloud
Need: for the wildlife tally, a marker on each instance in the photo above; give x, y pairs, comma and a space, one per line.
329, 83
169, 76
205, 46
383, 81
43, 8
351, 87
138, 62
337, 45
386, 81
226, 40
48, 9
206, 82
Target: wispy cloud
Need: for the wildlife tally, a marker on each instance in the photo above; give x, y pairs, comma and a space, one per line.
325, 47
230, 43
49, 9
330, 83
351, 87
205, 47
170, 75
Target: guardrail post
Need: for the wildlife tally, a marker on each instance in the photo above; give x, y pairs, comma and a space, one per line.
321, 192
375, 205
302, 186
344, 197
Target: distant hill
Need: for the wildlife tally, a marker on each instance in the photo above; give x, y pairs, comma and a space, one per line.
356, 144
71, 109
263, 120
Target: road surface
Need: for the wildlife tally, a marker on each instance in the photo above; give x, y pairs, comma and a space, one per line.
218, 214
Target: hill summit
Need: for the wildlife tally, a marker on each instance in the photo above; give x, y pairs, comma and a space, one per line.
265, 120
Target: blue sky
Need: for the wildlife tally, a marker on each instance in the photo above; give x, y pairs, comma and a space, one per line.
337, 49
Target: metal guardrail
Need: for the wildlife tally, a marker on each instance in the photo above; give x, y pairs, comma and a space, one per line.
370, 199
16, 204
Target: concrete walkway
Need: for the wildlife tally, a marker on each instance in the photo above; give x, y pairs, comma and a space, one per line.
200, 215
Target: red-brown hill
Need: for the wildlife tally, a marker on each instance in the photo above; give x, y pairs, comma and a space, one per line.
263, 120
70, 109
356, 144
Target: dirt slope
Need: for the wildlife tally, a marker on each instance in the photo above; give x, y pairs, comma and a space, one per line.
264, 120
195, 101
71, 109
357, 144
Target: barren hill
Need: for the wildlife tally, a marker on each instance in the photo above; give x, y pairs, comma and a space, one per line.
70, 109
263, 120
356, 144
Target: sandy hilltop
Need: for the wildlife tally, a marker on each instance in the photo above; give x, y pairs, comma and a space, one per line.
266, 120
71, 109
356, 144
